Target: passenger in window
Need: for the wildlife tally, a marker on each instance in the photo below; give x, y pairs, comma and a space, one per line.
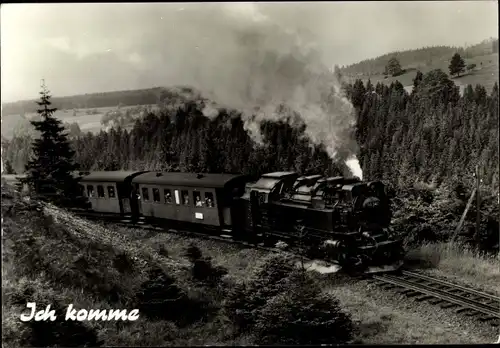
186, 199
210, 204
168, 198
199, 203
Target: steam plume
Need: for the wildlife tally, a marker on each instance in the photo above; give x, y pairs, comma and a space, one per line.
254, 58
354, 166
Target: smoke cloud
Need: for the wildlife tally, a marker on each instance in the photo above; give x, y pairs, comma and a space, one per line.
266, 64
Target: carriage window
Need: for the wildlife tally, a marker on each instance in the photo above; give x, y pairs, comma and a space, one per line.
100, 191
156, 195
209, 199
90, 190
197, 199
145, 194
168, 196
185, 197
177, 199
111, 192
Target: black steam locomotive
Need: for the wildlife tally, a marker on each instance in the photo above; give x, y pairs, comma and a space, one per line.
337, 219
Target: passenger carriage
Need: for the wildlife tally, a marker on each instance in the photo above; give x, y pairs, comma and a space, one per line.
205, 200
109, 192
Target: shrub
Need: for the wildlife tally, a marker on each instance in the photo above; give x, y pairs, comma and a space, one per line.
193, 253
61, 332
202, 268
159, 298
162, 250
123, 263
303, 315
49, 333
283, 305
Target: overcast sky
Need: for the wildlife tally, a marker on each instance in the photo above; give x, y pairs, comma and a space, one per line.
85, 48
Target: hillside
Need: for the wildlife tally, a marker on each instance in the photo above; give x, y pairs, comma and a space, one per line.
182, 297
419, 58
484, 55
86, 113
92, 100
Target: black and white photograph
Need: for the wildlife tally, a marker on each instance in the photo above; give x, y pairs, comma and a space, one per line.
250, 173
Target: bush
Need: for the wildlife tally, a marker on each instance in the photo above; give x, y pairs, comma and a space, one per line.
61, 332
283, 305
162, 250
50, 333
193, 253
202, 268
123, 263
303, 315
159, 298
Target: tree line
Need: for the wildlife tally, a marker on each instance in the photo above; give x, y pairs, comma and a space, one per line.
431, 134
92, 100
425, 56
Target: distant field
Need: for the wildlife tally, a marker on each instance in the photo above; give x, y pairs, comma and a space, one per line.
485, 74
87, 122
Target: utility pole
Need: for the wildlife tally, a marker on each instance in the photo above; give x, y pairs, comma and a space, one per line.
478, 203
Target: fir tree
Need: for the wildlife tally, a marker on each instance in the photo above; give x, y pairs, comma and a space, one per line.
8, 169
457, 65
48, 173
393, 67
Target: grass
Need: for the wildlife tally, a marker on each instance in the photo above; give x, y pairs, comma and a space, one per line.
459, 263
485, 74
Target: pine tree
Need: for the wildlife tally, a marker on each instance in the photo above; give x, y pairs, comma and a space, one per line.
393, 67
48, 173
417, 80
8, 169
457, 65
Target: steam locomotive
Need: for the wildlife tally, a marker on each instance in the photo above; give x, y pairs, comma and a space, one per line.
336, 219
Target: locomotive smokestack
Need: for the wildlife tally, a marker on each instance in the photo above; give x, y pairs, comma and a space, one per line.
354, 167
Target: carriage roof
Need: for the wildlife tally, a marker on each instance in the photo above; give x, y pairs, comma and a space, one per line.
187, 179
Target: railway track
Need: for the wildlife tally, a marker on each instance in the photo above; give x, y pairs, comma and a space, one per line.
471, 302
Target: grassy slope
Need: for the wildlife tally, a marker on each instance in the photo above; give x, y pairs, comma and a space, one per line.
486, 75
62, 241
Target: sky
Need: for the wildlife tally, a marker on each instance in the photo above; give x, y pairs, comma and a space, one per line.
86, 48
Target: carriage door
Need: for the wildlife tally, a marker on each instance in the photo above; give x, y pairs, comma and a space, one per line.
135, 202
124, 197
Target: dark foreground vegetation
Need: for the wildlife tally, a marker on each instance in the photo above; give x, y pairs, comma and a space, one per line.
52, 257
